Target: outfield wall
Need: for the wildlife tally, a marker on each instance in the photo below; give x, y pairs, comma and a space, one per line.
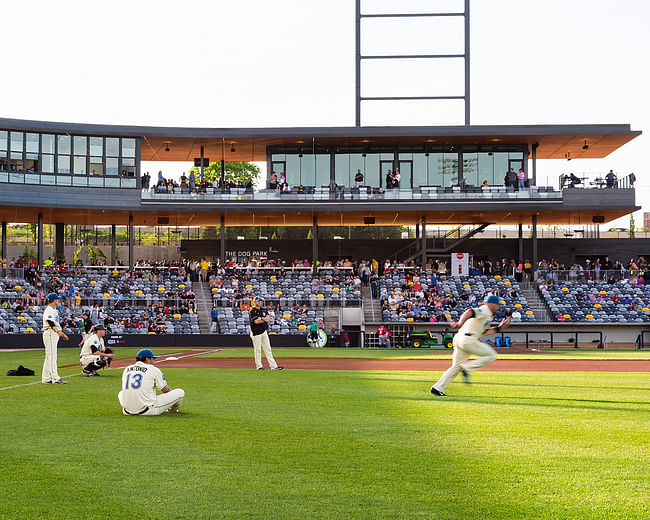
564, 250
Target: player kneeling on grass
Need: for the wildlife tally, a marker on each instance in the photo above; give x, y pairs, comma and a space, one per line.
474, 323
94, 355
139, 383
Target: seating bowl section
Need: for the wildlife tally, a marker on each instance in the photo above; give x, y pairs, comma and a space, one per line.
295, 287
236, 321
455, 287
598, 302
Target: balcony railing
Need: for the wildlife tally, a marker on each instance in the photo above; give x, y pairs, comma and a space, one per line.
59, 179
352, 194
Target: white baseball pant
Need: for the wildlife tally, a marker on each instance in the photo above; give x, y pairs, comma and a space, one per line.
261, 341
50, 372
464, 347
170, 401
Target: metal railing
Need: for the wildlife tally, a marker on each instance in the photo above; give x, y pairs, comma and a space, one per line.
586, 275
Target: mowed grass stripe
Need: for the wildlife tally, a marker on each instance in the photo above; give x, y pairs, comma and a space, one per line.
327, 444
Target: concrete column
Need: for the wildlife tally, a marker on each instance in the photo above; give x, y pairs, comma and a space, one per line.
223, 173
314, 243
533, 181
113, 245
201, 167
534, 259
520, 231
222, 236
3, 252
59, 241
131, 231
39, 240
424, 243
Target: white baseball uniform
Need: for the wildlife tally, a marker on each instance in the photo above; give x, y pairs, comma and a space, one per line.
50, 340
138, 394
87, 355
466, 343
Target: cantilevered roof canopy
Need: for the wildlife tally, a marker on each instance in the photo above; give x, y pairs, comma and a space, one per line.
249, 144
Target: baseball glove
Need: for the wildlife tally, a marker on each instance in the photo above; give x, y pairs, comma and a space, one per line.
108, 350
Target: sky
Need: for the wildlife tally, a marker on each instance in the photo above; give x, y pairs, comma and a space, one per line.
291, 63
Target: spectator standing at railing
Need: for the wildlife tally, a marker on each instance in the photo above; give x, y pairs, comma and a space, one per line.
611, 179
521, 178
389, 180
192, 182
358, 179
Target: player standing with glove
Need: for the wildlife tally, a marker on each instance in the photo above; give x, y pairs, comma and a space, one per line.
52, 332
474, 323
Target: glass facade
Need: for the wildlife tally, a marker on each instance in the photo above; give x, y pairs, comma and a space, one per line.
68, 160
439, 166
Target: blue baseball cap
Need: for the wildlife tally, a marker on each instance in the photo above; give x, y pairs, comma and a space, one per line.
52, 296
493, 298
257, 299
145, 352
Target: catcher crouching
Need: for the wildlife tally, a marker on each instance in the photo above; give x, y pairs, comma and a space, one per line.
94, 355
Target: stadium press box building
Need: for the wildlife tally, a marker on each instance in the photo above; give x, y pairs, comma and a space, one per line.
90, 174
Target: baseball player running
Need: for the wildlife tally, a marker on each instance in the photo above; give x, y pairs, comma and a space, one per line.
474, 323
92, 356
139, 383
51, 333
259, 322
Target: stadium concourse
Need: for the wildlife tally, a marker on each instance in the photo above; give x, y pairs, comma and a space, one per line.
161, 297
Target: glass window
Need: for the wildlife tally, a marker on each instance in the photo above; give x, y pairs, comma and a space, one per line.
342, 169
293, 169
16, 162
96, 146
96, 164
112, 167
128, 167
470, 169
322, 169
307, 170
31, 163
47, 142
80, 165
3, 139
16, 141
63, 164
420, 170
63, 143
112, 146
370, 170
47, 165
486, 169
128, 147
500, 161
435, 175
80, 145
31, 143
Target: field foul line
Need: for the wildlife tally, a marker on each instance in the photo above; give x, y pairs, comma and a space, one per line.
34, 383
187, 355
111, 368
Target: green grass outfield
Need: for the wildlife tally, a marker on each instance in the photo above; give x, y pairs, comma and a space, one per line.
324, 444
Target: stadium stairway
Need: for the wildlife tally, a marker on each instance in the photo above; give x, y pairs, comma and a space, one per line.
537, 304
371, 308
203, 306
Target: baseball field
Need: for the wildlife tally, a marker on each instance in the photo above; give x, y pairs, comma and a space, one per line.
332, 444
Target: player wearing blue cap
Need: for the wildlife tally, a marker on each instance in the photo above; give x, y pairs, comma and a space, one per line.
51, 333
474, 323
139, 383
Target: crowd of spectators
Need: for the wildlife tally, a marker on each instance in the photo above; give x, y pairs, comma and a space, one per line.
422, 298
